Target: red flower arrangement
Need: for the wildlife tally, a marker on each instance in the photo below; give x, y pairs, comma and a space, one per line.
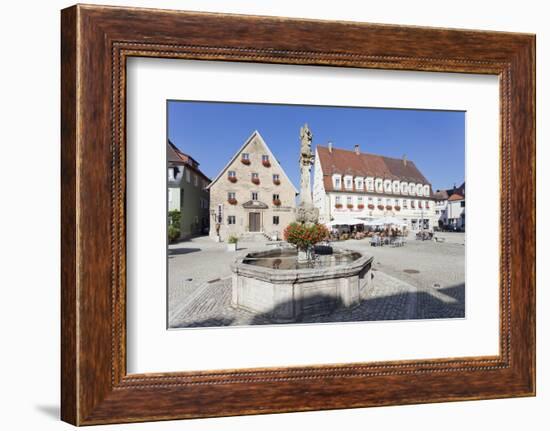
232, 201
380, 207
350, 206
397, 208
360, 206
388, 207
427, 206
232, 179
371, 206
245, 162
277, 202
266, 163
277, 182
338, 206
303, 236
256, 180
419, 204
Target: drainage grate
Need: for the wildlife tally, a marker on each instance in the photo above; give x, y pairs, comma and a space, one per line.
411, 271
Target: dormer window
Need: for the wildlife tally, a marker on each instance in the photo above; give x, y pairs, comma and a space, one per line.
370, 184
378, 185
396, 187
348, 182
387, 186
337, 181
359, 183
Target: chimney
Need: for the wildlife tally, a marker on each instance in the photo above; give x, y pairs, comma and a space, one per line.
330, 146
356, 149
404, 160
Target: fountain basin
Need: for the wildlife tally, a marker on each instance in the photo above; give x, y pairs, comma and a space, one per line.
273, 282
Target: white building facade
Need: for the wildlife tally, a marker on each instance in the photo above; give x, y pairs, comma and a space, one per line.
450, 207
367, 186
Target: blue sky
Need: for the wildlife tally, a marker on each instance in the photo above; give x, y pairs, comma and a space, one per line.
211, 133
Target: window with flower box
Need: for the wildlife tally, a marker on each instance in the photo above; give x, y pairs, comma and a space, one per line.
265, 161
276, 199
232, 198
255, 178
245, 159
232, 176
276, 179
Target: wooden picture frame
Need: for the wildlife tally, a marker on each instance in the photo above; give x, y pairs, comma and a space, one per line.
95, 43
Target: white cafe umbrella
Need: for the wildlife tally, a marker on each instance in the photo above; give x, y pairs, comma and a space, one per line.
376, 222
387, 221
347, 221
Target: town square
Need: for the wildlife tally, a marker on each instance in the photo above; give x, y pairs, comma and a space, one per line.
326, 233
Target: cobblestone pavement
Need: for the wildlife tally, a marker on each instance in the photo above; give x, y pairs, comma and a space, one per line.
422, 280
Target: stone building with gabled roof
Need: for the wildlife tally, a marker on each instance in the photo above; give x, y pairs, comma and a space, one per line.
351, 184
252, 195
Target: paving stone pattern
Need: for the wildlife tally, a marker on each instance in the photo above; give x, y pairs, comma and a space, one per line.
200, 284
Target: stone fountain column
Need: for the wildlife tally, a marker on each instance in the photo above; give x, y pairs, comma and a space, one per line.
306, 213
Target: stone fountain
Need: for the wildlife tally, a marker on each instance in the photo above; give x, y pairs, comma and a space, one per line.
288, 284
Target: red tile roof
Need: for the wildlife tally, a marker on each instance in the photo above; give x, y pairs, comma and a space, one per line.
456, 197
177, 157
348, 162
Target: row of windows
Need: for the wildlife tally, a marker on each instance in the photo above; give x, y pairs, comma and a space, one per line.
379, 201
246, 156
191, 178
380, 185
231, 219
253, 195
254, 175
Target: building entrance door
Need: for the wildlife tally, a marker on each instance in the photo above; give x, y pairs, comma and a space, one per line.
254, 222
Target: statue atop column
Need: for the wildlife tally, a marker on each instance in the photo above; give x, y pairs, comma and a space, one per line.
306, 212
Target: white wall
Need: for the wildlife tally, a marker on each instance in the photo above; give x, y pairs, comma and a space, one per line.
29, 276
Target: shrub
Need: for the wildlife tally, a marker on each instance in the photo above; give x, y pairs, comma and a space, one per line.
232, 239
277, 182
371, 206
303, 236
232, 179
266, 163
360, 206
388, 207
338, 206
397, 208
173, 233
256, 181
276, 202
245, 162
350, 206
232, 201
174, 218
380, 207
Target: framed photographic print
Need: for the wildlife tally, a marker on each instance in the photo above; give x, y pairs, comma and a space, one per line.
268, 215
